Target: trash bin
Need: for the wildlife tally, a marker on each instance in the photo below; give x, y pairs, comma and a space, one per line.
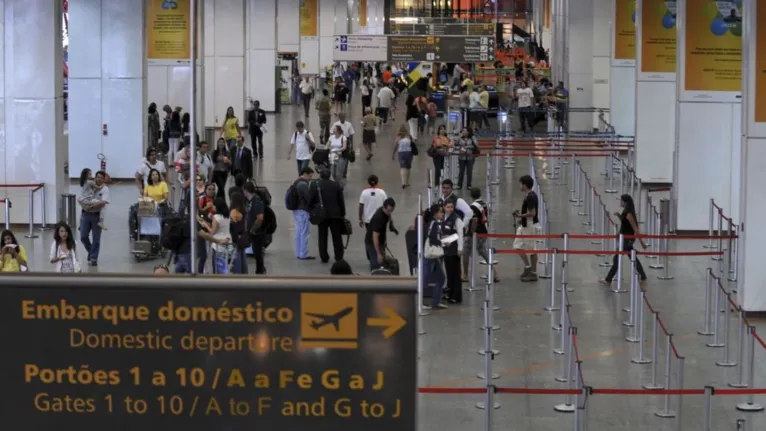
68, 210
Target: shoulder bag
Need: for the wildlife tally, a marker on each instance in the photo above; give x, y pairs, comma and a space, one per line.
432, 251
318, 213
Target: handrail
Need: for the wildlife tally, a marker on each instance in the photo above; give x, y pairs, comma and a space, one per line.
33, 188
21, 186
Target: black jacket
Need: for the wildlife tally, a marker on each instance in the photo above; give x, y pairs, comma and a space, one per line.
246, 162
332, 198
255, 119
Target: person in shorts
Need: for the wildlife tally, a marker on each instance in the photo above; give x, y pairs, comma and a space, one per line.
478, 225
529, 224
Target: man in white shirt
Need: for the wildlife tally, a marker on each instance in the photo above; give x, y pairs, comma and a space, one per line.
205, 162
303, 142
385, 101
90, 218
348, 132
307, 91
525, 97
147, 164
457, 73
370, 200
474, 109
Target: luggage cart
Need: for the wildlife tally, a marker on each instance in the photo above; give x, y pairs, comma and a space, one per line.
148, 243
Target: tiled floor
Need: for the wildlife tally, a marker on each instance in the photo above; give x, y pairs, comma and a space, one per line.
447, 356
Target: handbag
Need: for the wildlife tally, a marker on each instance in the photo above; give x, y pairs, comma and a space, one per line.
414, 148
318, 213
432, 251
348, 229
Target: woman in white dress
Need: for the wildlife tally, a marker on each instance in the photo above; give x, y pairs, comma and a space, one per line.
338, 161
63, 250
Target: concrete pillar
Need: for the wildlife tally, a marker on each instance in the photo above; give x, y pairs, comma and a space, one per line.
225, 63
32, 141
751, 287
580, 67
261, 54
601, 60
107, 86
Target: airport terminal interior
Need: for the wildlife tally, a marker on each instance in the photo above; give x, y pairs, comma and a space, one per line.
581, 166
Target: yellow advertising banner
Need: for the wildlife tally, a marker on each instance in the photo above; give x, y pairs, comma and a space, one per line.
625, 30
167, 29
309, 18
713, 56
658, 36
760, 62
363, 13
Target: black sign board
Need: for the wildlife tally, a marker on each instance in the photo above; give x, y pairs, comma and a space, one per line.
166, 353
444, 29
449, 49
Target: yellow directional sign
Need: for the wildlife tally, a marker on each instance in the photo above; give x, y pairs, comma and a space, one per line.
329, 320
392, 322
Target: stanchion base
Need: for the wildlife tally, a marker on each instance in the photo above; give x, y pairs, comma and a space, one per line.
596, 243
715, 345
665, 277
641, 361
492, 328
558, 351
711, 247
605, 264
578, 204
495, 183
552, 309
46, 228
610, 191
543, 276
666, 414
706, 333
573, 200
631, 339
564, 408
483, 262
619, 290
556, 328
657, 266
422, 332
726, 364
480, 406
653, 386
494, 308
472, 289
715, 258
31, 236
749, 407
650, 256
583, 214
569, 289
628, 324
738, 385
484, 352
483, 376
560, 379
626, 309
587, 223
424, 313
734, 279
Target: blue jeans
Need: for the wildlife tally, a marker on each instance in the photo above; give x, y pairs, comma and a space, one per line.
433, 272
183, 264
372, 255
302, 164
88, 223
302, 232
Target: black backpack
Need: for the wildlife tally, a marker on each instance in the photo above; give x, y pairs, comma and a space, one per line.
173, 233
292, 198
269, 220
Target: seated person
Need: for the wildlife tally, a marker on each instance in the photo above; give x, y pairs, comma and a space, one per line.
156, 189
13, 256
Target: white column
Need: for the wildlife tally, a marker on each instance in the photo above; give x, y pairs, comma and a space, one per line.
580, 46
288, 25
751, 291
601, 59
310, 63
332, 21
622, 80
107, 86
375, 17
225, 63
261, 53
655, 90
33, 144
709, 115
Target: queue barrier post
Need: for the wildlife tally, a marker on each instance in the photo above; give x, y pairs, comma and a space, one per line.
710, 243
622, 177
653, 385
666, 412
620, 248
472, 268
649, 225
7, 208
597, 224
489, 354
657, 243
733, 252
708, 411
584, 193
552, 306
726, 361
606, 263
610, 170
489, 295
430, 183
581, 184
579, 418
665, 241
573, 172
680, 364
631, 308
592, 212
750, 405
31, 233
568, 361
740, 383
421, 264
565, 265
719, 246
641, 359
43, 208
547, 262
716, 306
708, 294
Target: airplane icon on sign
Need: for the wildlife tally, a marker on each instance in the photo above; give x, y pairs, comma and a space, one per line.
329, 319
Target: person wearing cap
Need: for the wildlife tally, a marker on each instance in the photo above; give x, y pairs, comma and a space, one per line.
301, 215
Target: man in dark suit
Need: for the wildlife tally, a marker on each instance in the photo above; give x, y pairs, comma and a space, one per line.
242, 162
256, 118
335, 214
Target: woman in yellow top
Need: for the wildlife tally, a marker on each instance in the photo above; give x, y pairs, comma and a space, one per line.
156, 189
13, 257
230, 129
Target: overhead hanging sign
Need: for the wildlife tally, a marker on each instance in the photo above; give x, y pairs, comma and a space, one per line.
624, 43
309, 18
360, 48
760, 63
444, 29
658, 38
168, 31
450, 49
175, 353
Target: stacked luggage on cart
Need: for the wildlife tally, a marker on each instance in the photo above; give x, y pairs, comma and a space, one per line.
146, 220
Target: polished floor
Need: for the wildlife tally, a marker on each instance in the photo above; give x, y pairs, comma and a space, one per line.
448, 351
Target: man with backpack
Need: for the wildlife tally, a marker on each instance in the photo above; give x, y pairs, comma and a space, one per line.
477, 225
256, 225
298, 200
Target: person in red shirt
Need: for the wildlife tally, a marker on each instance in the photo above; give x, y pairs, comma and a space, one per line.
387, 75
205, 203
